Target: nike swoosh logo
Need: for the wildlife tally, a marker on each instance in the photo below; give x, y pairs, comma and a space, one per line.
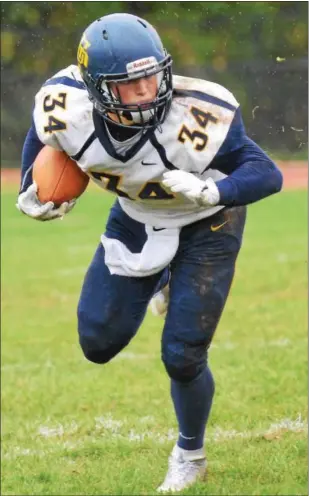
216, 228
185, 437
158, 228
148, 163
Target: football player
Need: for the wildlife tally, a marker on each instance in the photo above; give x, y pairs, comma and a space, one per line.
175, 153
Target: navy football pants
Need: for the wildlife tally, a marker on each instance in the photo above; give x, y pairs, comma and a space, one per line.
111, 307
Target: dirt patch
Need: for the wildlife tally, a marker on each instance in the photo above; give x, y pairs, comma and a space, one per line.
10, 176
295, 175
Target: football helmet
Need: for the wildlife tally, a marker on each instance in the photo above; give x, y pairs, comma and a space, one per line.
119, 48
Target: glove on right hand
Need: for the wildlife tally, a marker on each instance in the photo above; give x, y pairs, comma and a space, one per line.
29, 204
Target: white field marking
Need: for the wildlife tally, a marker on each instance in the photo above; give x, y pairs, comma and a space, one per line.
63, 297
147, 419
60, 272
279, 342
276, 428
39, 365
297, 425
276, 343
125, 355
58, 431
282, 257
81, 248
111, 432
72, 271
129, 355
171, 435
27, 366
285, 258
18, 451
109, 423
224, 345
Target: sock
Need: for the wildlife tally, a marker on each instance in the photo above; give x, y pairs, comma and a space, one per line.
192, 403
191, 455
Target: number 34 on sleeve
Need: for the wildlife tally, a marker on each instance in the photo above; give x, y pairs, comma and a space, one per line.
49, 105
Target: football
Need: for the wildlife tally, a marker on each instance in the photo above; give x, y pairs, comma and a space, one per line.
58, 177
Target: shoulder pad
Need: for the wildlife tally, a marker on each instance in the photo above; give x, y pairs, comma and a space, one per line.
185, 86
63, 112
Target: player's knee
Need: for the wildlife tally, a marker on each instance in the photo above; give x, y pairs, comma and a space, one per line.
94, 352
93, 355
102, 340
183, 368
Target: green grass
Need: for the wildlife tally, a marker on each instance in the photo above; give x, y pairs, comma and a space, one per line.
70, 427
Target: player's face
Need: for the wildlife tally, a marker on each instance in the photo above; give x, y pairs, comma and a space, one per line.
140, 91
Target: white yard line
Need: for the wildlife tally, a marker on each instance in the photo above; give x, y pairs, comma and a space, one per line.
26, 366
108, 427
71, 271
77, 249
130, 355
125, 355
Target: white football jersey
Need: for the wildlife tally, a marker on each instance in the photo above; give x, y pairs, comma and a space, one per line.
195, 128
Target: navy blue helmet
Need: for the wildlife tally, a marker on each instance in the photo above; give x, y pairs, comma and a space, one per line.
119, 48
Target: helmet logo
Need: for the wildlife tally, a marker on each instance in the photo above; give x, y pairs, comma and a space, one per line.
141, 64
82, 55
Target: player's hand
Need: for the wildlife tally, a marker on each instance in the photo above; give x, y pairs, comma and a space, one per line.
29, 204
204, 193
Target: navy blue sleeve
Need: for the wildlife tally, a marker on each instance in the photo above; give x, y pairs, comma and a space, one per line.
251, 174
31, 148
235, 137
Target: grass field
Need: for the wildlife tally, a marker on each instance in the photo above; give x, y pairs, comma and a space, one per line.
70, 427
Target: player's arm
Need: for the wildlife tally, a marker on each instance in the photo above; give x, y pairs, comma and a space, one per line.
27, 201
251, 174
32, 147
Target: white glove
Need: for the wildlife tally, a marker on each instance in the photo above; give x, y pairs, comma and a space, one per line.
29, 204
203, 193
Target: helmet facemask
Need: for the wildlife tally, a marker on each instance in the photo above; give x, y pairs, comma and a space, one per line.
136, 116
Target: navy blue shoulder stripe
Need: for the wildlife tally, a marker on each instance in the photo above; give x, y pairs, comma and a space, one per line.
86, 145
207, 98
162, 153
67, 81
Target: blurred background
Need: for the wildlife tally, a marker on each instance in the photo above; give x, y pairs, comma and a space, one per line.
258, 50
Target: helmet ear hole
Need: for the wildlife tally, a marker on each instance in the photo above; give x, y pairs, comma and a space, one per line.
105, 35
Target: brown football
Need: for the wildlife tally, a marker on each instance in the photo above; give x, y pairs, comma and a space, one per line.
58, 177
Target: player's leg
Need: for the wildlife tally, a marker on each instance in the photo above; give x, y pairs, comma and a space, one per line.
201, 277
111, 307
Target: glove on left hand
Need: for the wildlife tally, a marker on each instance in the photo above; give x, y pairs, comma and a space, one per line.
203, 193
